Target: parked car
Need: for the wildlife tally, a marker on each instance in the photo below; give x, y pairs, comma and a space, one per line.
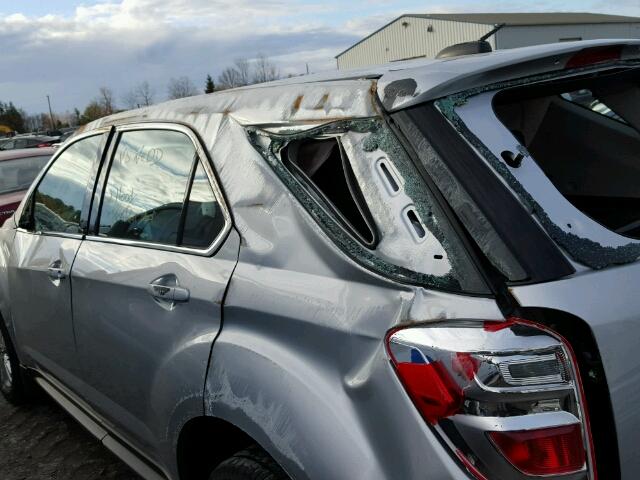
424, 270
18, 168
66, 134
21, 142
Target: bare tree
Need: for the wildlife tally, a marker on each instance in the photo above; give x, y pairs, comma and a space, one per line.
130, 99
264, 70
229, 78
243, 67
105, 99
145, 93
181, 87
139, 96
245, 72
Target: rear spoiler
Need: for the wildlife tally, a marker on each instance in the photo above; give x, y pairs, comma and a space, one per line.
402, 88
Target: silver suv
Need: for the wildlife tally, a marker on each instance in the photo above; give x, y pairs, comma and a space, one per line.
418, 271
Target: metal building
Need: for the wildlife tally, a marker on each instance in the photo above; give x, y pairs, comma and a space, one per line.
417, 35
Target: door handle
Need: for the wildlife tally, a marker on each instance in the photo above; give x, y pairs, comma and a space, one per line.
168, 293
55, 270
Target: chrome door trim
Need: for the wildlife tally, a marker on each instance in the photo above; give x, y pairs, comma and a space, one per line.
75, 236
205, 161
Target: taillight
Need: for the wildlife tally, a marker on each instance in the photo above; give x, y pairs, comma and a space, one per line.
43, 145
505, 397
595, 55
544, 451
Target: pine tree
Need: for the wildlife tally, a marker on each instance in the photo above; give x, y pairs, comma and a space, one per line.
209, 86
11, 117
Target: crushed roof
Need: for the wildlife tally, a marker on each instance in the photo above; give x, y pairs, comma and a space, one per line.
340, 94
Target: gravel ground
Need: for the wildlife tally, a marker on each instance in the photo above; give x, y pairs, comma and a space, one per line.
42, 442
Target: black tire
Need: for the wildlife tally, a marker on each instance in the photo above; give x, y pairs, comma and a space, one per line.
250, 464
15, 384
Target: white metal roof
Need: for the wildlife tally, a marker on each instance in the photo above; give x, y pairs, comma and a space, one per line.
512, 19
543, 18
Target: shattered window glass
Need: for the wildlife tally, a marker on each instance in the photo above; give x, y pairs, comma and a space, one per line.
416, 243
588, 152
322, 165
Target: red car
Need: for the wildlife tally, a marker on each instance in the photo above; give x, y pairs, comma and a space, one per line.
18, 168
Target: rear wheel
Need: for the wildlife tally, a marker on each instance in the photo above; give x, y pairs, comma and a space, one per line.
250, 464
14, 384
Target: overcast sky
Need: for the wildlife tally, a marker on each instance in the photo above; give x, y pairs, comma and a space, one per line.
68, 49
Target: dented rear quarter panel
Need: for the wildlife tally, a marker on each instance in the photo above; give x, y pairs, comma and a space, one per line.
300, 362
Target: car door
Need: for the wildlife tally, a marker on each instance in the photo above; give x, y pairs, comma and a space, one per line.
148, 284
45, 245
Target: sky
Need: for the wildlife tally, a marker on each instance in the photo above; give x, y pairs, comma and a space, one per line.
68, 49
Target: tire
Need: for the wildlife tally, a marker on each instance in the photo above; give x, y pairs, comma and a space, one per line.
250, 464
15, 385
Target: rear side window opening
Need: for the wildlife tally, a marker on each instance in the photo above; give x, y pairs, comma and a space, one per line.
585, 136
371, 202
321, 165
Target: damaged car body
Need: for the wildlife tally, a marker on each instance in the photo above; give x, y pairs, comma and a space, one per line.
418, 270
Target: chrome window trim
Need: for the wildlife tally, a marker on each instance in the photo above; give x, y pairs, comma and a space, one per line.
76, 236
36, 182
205, 161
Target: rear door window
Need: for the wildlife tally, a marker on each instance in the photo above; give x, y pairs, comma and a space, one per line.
158, 192
203, 216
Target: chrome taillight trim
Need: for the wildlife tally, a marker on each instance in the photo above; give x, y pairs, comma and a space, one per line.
550, 393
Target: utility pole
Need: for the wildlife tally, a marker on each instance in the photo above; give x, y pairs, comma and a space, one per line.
53, 125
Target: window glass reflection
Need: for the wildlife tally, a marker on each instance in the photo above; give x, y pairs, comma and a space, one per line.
204, 218
146, 186
60, 196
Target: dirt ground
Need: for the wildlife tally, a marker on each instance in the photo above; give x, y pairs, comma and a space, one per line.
42, 442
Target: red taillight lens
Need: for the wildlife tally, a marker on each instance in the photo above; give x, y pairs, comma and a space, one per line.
547, 451
432, 389
513, 383
43, 145
592, 56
